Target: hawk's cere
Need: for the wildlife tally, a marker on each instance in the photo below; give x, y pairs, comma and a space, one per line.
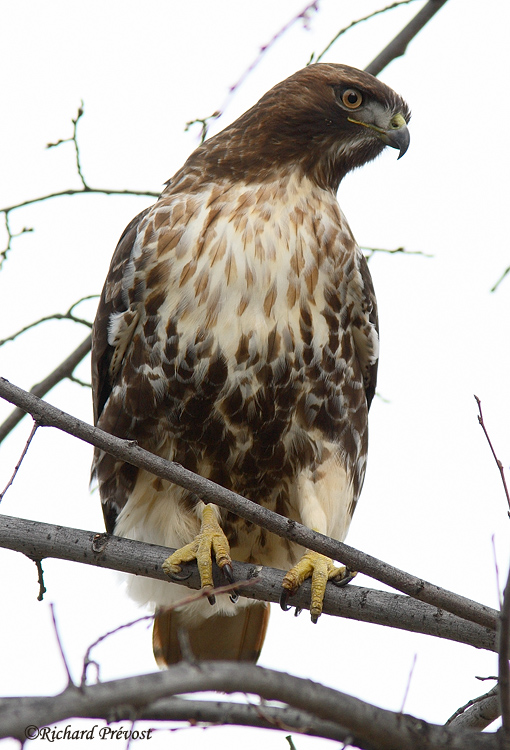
237, 335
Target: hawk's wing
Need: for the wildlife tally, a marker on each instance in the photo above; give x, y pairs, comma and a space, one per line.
113, 301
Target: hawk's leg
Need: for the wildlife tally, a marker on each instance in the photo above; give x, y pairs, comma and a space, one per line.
209, 541
321, 569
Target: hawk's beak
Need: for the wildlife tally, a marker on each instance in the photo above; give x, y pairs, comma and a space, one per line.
396, 136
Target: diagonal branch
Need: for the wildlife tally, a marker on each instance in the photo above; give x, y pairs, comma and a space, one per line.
397, 47
126, 450
64, 370
41, 540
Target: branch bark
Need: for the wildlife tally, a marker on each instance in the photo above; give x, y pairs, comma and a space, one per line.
47, 415
41, 540
368, 725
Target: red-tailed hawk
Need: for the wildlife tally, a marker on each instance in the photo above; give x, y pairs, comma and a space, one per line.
237, 335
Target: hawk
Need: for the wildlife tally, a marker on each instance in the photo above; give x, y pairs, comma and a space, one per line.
237, 335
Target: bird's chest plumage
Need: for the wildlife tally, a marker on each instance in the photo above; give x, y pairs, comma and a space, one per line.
243, 361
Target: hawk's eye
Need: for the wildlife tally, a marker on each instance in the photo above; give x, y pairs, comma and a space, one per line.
352, 98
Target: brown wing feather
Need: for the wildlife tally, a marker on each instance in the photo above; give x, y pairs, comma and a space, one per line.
111, 301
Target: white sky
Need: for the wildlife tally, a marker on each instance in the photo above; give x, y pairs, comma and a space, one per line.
432, 501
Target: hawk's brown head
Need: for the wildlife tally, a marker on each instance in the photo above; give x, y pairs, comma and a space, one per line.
325, 120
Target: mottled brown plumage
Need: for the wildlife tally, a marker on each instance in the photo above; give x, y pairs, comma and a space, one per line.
237, 331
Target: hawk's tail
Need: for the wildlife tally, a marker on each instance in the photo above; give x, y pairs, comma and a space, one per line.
221, 637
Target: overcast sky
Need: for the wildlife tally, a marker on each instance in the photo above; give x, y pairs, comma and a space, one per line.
432, 502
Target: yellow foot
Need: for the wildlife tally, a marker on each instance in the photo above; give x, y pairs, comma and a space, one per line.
210, 540
321, 569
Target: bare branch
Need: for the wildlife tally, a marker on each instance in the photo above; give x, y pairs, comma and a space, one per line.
64, 370
304, 16
60, 647
40, 540
370, 251
397, 47
74, 140
498, 282
10, 237
498, 462
16, 468
56, 316
477, 713
78, 191
504, 656
369, 726
209, 491
347, 28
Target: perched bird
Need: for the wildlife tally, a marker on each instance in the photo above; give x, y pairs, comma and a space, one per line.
237, 335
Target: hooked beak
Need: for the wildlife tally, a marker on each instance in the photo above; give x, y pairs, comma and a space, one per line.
396, 136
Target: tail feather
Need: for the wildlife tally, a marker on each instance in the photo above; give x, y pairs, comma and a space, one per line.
221, 637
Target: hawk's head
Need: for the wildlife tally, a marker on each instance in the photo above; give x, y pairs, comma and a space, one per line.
325, 119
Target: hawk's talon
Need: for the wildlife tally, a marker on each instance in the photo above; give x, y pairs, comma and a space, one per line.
347, 577
297, 611
211, 599
178, 576
228, 572
284, 598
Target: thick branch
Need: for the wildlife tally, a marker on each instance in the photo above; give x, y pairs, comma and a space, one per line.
47, 415
40, 540
397, 47
64, 370
368, 725
504, 656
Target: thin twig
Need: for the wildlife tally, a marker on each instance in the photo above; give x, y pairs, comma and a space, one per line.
370, 251
46, 319
498, 462
477, 713
216, 591
498, 282
40, 577
408, 685
10, 237
304, 16
347, 28
74, 140
70, 682
24, 453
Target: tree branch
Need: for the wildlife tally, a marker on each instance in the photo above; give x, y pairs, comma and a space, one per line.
64, 370
368, 725
504, 656
126, 450
41, 540
477, 713
397, 47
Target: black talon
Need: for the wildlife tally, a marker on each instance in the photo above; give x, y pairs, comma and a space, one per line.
228, 572
284, 598
211, 599
297, 611
179, 576
314, 619
347, 578
229, 575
